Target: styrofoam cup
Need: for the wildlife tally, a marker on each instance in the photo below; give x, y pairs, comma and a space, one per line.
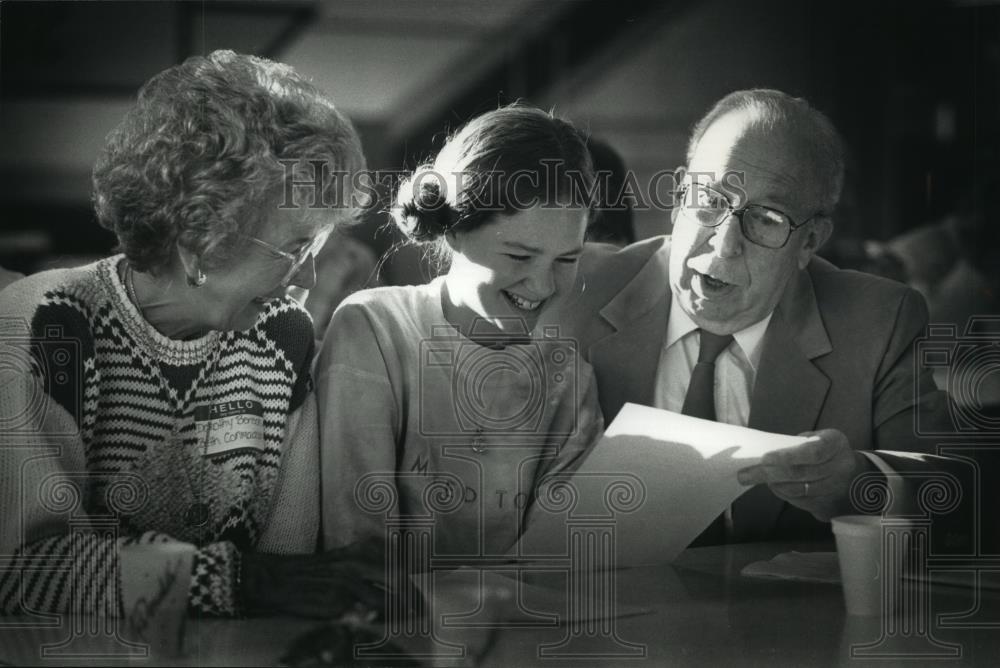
863, 567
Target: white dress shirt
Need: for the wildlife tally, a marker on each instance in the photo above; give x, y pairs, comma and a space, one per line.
735, 368
735, 373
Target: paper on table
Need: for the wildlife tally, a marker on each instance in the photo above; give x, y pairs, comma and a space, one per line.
656, 479
801, 566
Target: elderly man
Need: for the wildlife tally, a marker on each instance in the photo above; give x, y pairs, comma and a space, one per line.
734, 319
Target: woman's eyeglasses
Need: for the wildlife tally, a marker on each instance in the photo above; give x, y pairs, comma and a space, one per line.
297, 259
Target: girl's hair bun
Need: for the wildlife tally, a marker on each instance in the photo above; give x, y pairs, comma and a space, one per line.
422, 211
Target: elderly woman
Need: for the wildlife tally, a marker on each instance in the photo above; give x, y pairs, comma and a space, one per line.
170, 384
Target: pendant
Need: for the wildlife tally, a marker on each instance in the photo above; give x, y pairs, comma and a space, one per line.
479, 442
197, 515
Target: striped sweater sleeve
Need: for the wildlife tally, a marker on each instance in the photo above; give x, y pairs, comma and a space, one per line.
54, 556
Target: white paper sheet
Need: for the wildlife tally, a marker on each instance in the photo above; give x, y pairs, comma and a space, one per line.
653, 483
798, 566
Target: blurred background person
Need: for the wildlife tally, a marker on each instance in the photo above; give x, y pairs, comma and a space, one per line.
344, 266
612, 222
955, 262
867, 255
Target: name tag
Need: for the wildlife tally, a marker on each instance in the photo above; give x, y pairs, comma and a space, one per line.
230, 426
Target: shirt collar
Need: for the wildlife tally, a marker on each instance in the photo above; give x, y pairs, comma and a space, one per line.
680, 324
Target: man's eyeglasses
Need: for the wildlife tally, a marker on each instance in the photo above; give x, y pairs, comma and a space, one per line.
297, 259
761, 225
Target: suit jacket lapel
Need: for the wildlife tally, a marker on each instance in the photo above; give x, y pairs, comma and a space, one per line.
626, 360
789, 391
788, 394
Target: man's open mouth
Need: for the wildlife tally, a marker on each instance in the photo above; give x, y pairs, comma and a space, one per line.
711, 285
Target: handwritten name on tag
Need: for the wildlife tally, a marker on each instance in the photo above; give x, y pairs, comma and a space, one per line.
230, 426
155, 580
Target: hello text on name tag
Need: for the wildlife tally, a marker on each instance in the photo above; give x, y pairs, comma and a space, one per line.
230, 426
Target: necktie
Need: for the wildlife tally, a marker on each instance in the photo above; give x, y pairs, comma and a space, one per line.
700, 398
700, 402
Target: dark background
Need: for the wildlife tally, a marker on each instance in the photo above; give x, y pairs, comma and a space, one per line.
913, 86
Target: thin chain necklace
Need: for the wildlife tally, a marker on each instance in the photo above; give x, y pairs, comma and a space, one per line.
198, 513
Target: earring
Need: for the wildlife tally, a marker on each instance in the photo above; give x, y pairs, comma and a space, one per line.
197, 281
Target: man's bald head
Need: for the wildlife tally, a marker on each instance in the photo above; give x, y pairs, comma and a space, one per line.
794, 122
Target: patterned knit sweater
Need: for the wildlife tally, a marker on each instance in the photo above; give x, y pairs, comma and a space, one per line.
112, 436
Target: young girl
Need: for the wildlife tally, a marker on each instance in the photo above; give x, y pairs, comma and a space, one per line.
449, 401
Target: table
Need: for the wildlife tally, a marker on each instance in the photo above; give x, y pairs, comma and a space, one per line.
696, 612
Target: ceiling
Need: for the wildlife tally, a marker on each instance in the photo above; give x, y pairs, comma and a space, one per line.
636, 73
70, 69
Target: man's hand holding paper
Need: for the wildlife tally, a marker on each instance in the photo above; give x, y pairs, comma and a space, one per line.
814, 476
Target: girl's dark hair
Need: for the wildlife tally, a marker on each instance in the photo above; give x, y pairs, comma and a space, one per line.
504, 161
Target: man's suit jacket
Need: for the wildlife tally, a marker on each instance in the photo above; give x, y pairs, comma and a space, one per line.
838, 353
